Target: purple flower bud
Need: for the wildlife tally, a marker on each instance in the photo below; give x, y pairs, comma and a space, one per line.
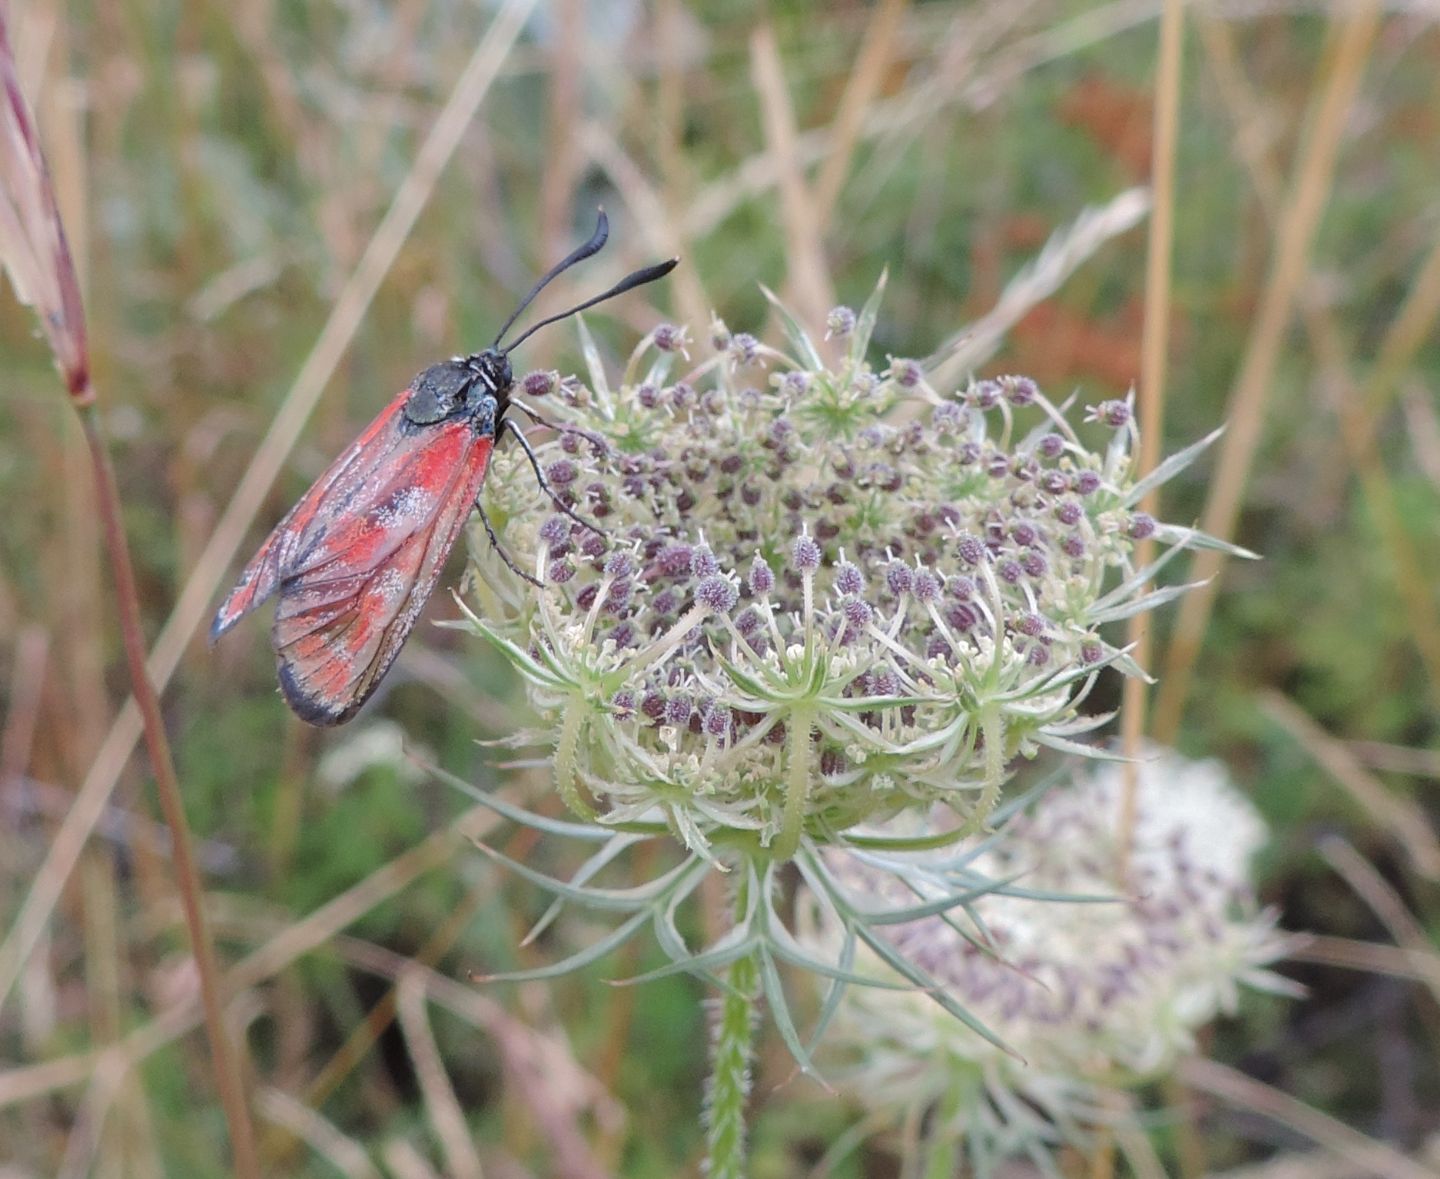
883, 682
984, 394
623, 702
593, 546
804, 555
937, 648
653, 705
1023, 534
948, 418
1052, 446
1073, 546
677, 711
559, 572
716, 594
675, 559
1068, 512
839, 323
703, 562
669, 338
540, 384
962, 616
1034, 564
1038, 655
1020, 390
1142, 526
1113, 413
1054, 482
1031, 624
666, 602
682, 396
743, 348
899, 578
970, 549
762, 577
832, 762
570, 442
619, 565
1009, 571
1087, 483
648, 396
717, 722
962, 589
586, 597
926, 587
906, 373
795, 384
748, 622
857, 612
848, 578
561, 472
555, 530
1091, 652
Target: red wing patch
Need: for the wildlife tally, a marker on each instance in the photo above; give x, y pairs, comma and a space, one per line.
355, 561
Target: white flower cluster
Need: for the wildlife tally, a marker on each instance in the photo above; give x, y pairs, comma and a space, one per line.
823, 594
1083, 994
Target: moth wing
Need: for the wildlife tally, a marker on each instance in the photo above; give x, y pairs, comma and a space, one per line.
354, 595
328, 498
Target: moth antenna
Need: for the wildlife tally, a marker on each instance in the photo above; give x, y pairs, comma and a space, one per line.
638, 279
590, 248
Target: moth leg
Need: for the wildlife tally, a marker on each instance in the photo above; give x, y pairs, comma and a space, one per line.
590, 436
500, 549
508, 424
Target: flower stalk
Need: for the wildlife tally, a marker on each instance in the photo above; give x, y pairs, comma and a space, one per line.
731, 1060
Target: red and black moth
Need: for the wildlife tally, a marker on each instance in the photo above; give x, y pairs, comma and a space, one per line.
354, 562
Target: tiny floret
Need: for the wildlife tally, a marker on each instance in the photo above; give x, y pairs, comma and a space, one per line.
669, 338
716, 594
540, 383
839, 323
762, 577
804, 555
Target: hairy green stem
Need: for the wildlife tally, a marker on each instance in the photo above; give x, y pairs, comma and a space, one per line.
223, 1054
797, 786
730, 1064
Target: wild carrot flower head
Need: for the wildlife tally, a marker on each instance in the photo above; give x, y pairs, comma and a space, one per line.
1084, 993
824, 594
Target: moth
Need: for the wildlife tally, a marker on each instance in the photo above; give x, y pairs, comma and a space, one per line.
354, 562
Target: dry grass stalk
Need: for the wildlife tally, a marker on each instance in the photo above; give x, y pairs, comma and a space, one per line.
1401, 818
1154, 354
808, 281
442, 1107
1243, 1093
1356, 27
1357, 406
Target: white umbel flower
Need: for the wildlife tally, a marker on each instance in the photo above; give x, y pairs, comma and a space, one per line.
1084, 994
